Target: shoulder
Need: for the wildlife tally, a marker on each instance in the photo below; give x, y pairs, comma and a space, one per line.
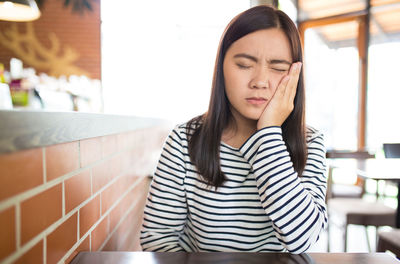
183, 131
178, 133
313, 135
188, 128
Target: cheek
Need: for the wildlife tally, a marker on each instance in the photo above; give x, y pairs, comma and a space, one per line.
234, 80
275, 81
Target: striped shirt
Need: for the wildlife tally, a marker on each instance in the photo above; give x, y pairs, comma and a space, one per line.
263, 206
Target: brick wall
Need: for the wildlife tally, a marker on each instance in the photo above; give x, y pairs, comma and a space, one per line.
79, 32
86, 195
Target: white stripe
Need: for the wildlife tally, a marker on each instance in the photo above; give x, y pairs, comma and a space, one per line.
217, 219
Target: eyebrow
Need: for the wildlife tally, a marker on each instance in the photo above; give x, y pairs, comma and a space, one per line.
273, 61
280, 62
247, 56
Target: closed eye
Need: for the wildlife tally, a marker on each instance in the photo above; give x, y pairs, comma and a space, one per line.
279, 70
241, 66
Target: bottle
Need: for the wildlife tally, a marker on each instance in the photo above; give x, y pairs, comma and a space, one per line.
2, 78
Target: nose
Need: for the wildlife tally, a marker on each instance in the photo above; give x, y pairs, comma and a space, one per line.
260, 79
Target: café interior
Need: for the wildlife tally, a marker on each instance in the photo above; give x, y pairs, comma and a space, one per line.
90, 89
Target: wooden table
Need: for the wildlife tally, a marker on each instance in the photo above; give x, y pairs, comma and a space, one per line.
383, 169
236, 258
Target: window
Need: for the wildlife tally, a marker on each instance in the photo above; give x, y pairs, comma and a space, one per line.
383, 84
331, 80
340, 32
158, 56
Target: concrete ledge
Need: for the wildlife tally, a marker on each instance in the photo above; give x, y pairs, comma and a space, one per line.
21, 129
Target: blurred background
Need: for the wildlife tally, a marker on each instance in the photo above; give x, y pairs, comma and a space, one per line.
156, 58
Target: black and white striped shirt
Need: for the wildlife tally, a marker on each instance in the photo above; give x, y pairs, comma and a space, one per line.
263, 206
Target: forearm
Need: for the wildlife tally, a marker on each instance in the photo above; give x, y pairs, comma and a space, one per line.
296, 210
163, 218
165, 212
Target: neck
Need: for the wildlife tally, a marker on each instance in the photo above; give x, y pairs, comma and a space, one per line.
239, 129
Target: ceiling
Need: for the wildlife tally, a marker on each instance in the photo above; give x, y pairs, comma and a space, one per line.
384, 23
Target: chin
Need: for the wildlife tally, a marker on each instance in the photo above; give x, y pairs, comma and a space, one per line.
250, 114
253, 116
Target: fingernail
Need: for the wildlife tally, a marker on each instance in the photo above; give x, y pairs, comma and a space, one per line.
286, 78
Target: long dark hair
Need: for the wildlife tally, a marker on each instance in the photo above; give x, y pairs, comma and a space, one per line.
204, 144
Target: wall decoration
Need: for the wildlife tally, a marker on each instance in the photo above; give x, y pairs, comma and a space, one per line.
57, 59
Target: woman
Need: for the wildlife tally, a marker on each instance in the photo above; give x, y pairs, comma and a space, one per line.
247, 175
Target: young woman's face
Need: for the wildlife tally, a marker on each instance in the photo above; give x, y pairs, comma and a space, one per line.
253, 67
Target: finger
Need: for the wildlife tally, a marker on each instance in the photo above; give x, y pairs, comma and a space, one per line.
281, 90
288, 77
294, 75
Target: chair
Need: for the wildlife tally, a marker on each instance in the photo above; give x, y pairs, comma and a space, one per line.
389, 241
338, 190
356, 211
344, 211
391, 150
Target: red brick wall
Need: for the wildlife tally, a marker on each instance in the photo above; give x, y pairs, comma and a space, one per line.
80, 32
80, 196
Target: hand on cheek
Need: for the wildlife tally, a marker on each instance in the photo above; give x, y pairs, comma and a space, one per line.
282, 102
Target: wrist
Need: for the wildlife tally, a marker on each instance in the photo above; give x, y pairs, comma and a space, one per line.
269, 124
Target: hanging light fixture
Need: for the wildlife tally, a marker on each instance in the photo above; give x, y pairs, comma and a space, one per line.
19, 10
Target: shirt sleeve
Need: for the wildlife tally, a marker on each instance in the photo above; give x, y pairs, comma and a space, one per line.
165, 211
295, 205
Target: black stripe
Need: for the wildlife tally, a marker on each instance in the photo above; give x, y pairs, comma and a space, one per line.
239, 221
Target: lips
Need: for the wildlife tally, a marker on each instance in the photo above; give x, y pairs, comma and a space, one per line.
256, 100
